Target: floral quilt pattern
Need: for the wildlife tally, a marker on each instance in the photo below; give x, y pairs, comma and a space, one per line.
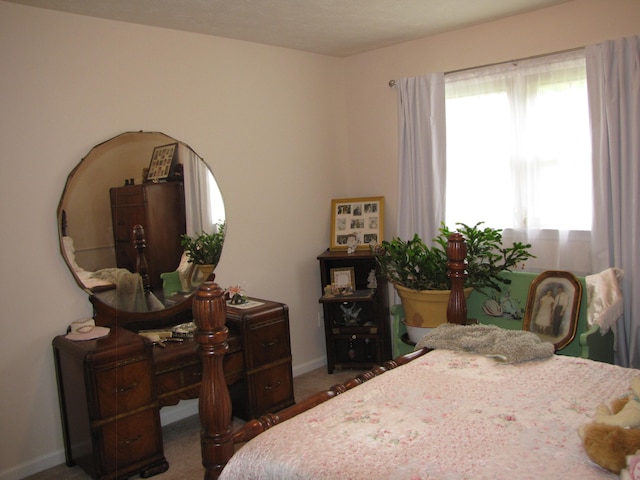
447, 416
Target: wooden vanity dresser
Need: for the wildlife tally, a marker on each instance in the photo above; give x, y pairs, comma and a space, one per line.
111, 389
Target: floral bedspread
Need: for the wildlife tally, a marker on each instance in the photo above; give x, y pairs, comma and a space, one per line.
447, 416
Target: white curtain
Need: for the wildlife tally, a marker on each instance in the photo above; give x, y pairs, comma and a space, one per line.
613, 77
518, 142
421, 156
196, 193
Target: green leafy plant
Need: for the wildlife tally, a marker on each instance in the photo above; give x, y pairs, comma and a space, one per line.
206, 248
414, 265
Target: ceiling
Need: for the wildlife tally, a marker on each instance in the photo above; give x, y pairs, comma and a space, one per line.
331, 27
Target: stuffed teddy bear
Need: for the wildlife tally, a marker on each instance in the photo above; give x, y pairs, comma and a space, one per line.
613, 435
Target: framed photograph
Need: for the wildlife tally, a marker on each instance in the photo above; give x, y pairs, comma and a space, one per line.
356, 223
343, 277
163, 160
553, 306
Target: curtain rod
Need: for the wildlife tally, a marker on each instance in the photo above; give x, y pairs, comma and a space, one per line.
392, 83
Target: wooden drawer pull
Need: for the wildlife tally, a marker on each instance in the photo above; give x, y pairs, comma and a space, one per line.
273, 387
130, 441
270, 344
128, 388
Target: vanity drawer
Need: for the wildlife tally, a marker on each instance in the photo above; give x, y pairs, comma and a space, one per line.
267, 343
124, 388
271, 389
179, 378
131, 439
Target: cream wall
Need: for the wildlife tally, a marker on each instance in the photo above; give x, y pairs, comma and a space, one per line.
272, 123
269, 121
371, 104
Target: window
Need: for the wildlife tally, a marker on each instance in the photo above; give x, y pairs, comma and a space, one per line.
519, 155
518, 145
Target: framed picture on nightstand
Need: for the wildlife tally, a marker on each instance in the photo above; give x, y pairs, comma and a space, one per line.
356, 223
343, 277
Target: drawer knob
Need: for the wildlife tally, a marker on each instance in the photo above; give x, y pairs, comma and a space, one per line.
270, 344
130, 441
273, 387
127, 388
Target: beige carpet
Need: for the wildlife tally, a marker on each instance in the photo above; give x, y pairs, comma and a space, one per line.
182, 438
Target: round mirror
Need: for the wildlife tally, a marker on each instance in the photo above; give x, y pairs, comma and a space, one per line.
124, 216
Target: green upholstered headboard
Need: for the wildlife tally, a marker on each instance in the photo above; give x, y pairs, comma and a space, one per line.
587, 343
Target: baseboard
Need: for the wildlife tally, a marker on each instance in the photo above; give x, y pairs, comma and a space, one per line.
182, 410
309, 366
34, 466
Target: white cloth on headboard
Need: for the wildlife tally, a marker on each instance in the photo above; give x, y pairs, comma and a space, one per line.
86, 277
604, 298
129, 293
185, 270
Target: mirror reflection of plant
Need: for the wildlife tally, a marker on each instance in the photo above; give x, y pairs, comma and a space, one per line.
414, 265
206, 248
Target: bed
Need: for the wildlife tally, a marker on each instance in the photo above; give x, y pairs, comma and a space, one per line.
430, 414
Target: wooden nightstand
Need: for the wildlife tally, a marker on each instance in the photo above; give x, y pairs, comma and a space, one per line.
356, 325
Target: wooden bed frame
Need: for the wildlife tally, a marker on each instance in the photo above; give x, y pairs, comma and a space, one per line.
217, 437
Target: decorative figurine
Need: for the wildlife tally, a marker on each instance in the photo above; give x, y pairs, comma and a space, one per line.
372, 281
350, 314
235, 296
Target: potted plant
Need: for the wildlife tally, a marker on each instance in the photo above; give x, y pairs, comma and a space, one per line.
204, 250
417, 270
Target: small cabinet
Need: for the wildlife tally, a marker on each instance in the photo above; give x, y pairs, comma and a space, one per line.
111, 419
267, 381
356, 322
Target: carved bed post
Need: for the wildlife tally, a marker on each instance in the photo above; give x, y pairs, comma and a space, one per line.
456, 265
209, 311
140, 243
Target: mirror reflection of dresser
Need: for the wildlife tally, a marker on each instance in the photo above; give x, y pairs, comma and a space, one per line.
159, 208
120, 225
110, 191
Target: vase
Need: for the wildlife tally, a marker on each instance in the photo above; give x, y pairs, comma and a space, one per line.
425, 308
201, 274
